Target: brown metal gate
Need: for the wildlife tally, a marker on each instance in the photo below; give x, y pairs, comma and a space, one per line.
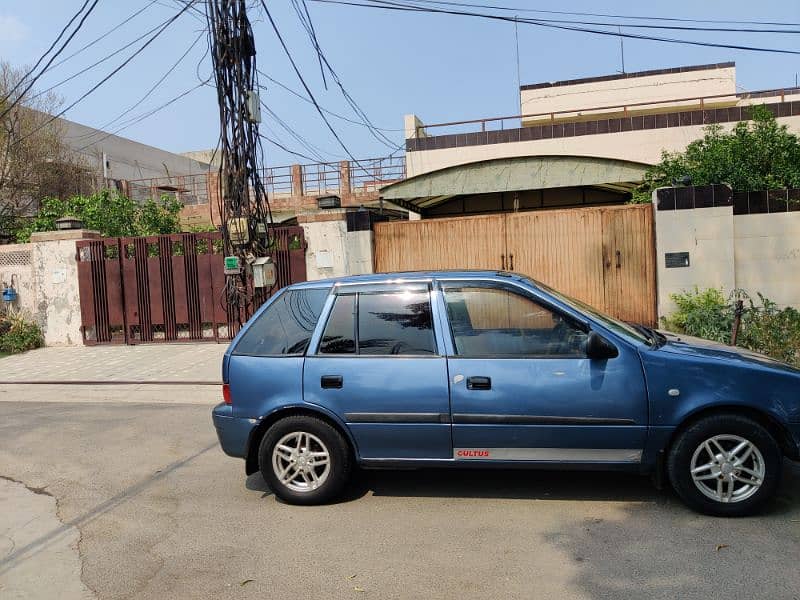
168, 288
604, 256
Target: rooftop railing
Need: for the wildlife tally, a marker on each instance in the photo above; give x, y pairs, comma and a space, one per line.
188, 189
344, 178
369, 175
515, 121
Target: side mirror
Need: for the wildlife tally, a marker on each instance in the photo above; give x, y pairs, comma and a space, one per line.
599, 348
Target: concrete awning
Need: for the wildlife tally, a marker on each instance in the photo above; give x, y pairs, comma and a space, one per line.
513, 175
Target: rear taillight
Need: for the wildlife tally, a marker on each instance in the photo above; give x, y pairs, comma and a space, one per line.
226, 393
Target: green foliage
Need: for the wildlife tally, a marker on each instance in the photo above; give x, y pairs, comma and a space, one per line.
705, 314
9, 225
771, 330
108, 212
202, 228
756, 155
17, 334
764, 327
159, 217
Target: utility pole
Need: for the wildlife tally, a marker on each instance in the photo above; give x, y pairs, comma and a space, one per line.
519, 78
244, 207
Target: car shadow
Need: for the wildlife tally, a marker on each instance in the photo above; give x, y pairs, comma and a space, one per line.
527, 484
534, 484
354, 491
487, 483
509, 484
255, 482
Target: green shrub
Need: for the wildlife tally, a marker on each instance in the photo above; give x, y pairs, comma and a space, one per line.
705, 314
764, 327
755, 154
108, 212
771, 330
201, 229
17, 334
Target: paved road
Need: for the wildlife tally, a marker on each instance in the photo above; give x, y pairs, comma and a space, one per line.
161, 513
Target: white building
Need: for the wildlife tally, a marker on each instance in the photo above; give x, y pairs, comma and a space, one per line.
580, 142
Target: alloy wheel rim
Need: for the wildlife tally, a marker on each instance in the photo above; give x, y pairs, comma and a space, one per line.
301, 461
727, 468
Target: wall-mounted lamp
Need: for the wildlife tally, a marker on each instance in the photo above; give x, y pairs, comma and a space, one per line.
68, 222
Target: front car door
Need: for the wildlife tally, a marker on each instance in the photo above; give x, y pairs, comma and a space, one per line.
522, 387
378, 363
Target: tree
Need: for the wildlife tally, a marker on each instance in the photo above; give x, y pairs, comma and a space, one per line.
755, 155
108, 212
34, 160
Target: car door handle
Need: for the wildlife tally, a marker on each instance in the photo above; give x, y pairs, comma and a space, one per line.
331, 382
479, 383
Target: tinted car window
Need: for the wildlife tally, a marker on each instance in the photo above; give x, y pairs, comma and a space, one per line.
339, 336
285, 327
395, 323
498, 322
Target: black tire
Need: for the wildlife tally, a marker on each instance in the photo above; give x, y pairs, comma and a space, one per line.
339, 453
690, 439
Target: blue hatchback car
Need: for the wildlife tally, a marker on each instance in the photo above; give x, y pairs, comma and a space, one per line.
480, 368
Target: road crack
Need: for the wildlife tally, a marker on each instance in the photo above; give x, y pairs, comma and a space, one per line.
42, 491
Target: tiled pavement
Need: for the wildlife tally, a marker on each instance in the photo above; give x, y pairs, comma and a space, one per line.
168, 363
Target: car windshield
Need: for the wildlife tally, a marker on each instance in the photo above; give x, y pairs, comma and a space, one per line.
618, 327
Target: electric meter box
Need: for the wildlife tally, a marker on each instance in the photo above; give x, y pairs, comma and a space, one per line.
253, 106
264, 275
232, 266
238, 231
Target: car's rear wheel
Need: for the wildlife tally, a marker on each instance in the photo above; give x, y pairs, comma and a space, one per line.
304, 460
725, 465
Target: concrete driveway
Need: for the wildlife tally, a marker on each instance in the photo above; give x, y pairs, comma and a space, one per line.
167, 363
120, 491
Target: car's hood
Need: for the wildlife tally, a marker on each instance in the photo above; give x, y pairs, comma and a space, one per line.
686, 344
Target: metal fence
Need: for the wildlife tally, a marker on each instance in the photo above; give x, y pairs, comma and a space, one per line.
320, 179
188, 189
171, 288
586, 112
366, 175
371, 174
277, 180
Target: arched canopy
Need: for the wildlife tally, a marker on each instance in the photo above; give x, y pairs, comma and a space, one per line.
513, 174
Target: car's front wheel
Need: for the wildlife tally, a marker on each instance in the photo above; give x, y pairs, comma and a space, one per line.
304, 460
725, 465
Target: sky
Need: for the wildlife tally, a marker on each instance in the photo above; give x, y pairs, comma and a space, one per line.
440, 67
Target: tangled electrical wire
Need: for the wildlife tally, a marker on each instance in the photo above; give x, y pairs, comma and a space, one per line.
243, 204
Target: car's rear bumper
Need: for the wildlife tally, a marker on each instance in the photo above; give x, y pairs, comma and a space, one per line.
233, 432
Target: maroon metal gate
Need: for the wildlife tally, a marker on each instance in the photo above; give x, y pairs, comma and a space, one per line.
169, 288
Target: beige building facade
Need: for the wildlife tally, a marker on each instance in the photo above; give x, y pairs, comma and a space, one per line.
631, 118
589, 142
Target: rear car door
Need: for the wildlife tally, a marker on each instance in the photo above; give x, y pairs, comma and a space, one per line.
522, 387
378, 364
265, 367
